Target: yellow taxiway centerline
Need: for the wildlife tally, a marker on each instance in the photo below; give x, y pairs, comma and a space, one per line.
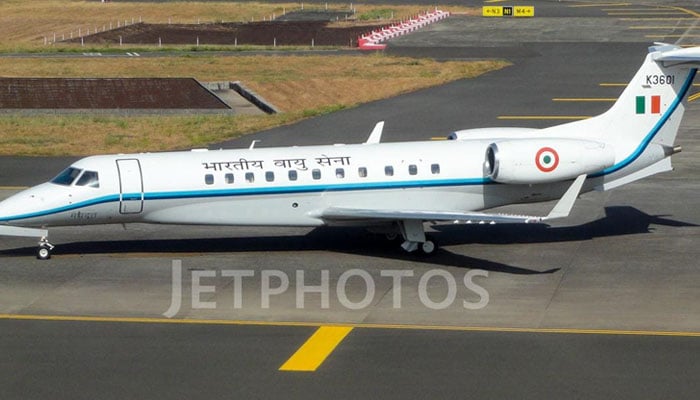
641, 27
650, 13
611, 84
600, 5
657, 19
693, 97
584, 99
316, 349
649, 9
543, 117
684, 10
144, 320
669, 36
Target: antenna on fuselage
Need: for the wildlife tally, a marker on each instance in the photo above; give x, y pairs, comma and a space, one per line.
252, 144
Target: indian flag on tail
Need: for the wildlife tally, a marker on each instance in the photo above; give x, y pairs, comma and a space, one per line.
655, 102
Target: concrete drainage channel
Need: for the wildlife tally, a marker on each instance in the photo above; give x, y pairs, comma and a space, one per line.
128, 96
237, 95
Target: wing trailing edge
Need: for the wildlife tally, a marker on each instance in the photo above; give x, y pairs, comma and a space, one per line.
560, 210
6, 230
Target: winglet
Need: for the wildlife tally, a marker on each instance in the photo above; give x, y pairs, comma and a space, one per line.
566, 203
376, 134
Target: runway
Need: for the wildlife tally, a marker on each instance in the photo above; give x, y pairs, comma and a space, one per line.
604, 304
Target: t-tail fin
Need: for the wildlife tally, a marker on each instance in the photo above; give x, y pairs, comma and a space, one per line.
642, 124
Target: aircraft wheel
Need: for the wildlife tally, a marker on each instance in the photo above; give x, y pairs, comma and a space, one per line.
43, 253
428, 247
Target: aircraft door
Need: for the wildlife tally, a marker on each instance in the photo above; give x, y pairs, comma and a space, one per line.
130, 186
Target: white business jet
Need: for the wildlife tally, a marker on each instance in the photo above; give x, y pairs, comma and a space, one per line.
390, 187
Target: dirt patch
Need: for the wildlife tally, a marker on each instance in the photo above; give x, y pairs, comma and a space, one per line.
121, 93
281, 33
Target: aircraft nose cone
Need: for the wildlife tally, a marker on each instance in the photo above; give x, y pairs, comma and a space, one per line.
14, 206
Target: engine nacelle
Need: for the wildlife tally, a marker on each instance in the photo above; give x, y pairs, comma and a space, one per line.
526, 161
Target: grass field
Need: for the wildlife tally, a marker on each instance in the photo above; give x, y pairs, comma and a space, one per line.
25, 24
301, 87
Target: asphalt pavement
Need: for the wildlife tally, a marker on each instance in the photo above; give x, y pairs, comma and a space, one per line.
602, 305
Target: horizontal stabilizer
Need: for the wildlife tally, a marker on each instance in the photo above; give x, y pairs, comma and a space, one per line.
677, 55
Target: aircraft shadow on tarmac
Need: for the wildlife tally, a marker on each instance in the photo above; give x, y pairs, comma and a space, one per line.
618, 221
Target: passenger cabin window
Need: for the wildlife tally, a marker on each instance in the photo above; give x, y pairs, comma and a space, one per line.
209, 179
362, 172
67, 176
249, 177
412, 169
316, 174
435, 169
89, 179
389, 170
292, 175
228, 178
269, 176
339, 173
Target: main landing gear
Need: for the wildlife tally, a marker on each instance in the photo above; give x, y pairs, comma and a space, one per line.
415, 239
44, 250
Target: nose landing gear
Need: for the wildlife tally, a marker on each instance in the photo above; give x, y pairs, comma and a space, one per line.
44, 250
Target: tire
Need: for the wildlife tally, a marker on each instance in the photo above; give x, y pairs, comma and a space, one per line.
428, 248
43, 253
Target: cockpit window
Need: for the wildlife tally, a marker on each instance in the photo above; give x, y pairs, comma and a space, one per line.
90, 179
67, 177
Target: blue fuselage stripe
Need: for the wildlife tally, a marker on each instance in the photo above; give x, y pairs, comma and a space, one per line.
213, 193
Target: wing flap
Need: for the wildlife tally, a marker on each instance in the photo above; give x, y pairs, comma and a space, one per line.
7, 230
560, 210
349, 214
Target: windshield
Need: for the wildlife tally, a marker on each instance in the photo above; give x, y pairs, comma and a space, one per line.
90, 179
67, 177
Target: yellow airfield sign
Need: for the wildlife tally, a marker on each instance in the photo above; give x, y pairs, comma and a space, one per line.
508, 11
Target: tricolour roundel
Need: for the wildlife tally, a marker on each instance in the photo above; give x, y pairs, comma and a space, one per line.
547, 159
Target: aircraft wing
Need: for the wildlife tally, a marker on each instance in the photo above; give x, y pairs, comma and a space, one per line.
560, 210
